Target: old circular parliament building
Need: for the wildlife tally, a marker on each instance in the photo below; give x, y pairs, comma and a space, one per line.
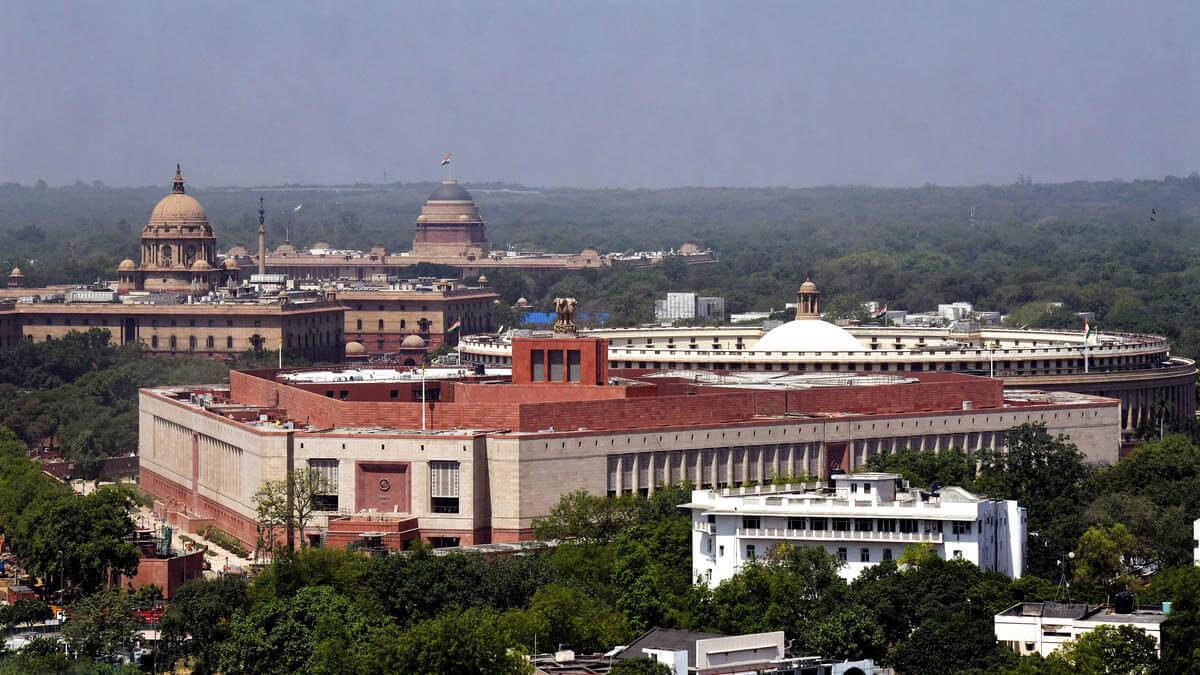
1137, 369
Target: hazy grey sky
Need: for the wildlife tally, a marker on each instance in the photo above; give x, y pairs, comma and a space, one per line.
591, 94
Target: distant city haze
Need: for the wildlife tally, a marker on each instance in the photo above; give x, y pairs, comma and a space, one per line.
599, 94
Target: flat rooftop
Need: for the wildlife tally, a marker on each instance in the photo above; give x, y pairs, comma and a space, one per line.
767, 380
387, 375
1148, 614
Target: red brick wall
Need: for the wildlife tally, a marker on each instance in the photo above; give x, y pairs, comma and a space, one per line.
167, 573
900, 398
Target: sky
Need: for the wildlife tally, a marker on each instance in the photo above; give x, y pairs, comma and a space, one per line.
640, 94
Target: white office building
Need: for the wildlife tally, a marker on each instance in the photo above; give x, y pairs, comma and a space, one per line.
862, 518
1196, 541
955, 311
1042, 627
689, 306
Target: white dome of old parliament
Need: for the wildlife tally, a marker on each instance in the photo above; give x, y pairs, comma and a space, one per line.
808, 333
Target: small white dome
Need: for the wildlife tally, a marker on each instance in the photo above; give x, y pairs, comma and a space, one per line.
808, 335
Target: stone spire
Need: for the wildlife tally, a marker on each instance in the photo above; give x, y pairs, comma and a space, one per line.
177, 188
262, 238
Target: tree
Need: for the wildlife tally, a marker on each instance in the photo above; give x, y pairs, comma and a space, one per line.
1103, 557
102, 624
198, 620
455, 642
284, 634
1047, 476
951, 643
652, 572
924, 468
84, 538
585, 517
642, 665
559, 615
1109, 649
270, 508
270, 503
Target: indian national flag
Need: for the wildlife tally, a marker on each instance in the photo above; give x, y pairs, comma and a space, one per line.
454, 327
882, 311
1087, 330
446, 159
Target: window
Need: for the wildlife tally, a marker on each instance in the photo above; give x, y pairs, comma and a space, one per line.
395, 393
358, 325
556, 366
257, 323
173, 345
866, 488
887, 525
854, 488
958, 555
908, 526
326, 496
961, 527
795, 524
816, 523
443, 487
381, 324
864, 555
863, 524
750, 523
229, 342
841, 524
842, 553
887, 554
721, 551
574, 369
538, 362
192, 342
208, 342
153, 341
750, 552
343, 395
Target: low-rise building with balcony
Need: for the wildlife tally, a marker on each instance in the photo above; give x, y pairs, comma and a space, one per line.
862, 518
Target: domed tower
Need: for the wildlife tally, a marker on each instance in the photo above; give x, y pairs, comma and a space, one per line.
177, 237
449, 225
808, 301
16, 279
126, 276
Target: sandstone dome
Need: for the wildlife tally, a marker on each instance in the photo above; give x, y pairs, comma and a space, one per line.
808, 335
126, 265
201, 265
412, 342
16, 272
355, 349
450, 191
449, 204
178, 208
231, 264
